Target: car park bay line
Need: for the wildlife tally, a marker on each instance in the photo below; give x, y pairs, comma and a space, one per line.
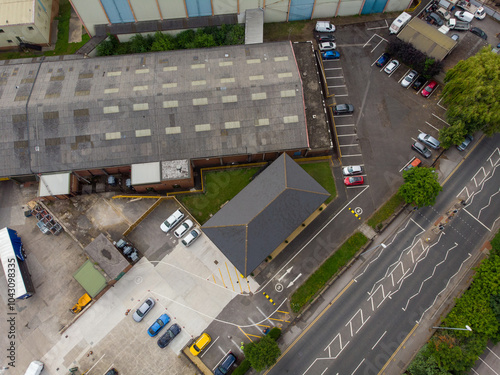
344, 156
439, 118
206, 350
347, 135
432, 126
332, 68
342, 126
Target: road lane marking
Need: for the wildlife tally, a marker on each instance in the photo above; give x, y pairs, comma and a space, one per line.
324, 371
487, 365
312, 324
383, 334
356, 369
398, 349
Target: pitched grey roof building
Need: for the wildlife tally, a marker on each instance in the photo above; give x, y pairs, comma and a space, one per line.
261, 216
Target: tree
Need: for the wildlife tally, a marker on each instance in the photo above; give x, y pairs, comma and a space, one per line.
452, 135
262, 354
421, 186
163, 42
471, 92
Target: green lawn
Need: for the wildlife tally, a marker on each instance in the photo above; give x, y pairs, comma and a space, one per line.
326, 271
322, 173
220, 187
385, 211
286, 30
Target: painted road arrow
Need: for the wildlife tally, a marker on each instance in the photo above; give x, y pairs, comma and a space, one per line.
286, 273
294, 280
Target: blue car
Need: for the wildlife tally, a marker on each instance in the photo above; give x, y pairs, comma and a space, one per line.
382, 60
330, 55
156, 327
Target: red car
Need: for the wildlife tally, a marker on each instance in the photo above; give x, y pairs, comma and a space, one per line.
429, 88
351, 181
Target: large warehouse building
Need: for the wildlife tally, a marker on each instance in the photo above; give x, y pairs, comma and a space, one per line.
151, 15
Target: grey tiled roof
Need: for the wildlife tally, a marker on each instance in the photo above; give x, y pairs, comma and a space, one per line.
260, 217
72, 113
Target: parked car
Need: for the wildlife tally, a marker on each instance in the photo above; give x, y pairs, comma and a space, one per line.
112, 372
391, 67
324, 27
330, 55
352, 170
327, 46
429, 89
157, 326
429, 140
225, 364
443, 13
343, 109
409, 78
433, 17
455, 37
183, 228
422, 150
413, 163
172, 221
325, 38
480, 13
168, 336
35, 368
467, 141
200, 344
419, 82
352, 181
142, 311
191, 237
462, 15
382, 60
480, 33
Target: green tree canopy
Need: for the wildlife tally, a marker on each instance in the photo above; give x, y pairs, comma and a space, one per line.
421, 186
471, 93
262, 354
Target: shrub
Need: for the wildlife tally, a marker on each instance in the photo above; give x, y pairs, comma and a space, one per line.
274, 333
242, 368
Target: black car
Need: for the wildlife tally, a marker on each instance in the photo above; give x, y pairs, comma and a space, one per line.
342, 109
325, 38
112, 372
480, 33
168, 336
421, 149
419, 82
433, 17
225, 364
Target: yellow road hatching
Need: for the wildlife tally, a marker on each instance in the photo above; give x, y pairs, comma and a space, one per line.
239, 279
248, 335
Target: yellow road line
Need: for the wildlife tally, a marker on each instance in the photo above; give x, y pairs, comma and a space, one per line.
397, 350
248, 284
230, 278
245, 334
214, 278
284, 312
263, 325
238, 278
279, 320
222, 278
310, 325
253, 335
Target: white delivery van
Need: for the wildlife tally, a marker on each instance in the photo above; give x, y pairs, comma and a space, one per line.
399, 23
324, 27
35, 368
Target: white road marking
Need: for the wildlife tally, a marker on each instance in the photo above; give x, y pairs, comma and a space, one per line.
208, 348
238, 346
479, 221
218, 363
439, 118
324, 371
487, 365
350, 145
356, 369
95, 364
270, 321
489, 202
432, 126
336, 86
383, 334
337, 96
333, 68
343, 126
345, 156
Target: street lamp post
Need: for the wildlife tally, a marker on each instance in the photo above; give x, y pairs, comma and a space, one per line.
467, 328
373, 248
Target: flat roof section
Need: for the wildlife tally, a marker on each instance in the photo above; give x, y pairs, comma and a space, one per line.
254, 26
16, 12
145, 173
90, 279
175, 170
54, 184
102, 251
122, 110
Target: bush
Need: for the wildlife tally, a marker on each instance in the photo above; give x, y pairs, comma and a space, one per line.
415, 59
274, 333
242, 368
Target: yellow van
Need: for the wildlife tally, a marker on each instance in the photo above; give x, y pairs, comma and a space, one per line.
200, 344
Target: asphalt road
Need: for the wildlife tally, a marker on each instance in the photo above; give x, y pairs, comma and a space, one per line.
398, 285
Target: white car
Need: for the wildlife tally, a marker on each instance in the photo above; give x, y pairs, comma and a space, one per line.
183, 228
352, 170
480, 13
391, 67
409, 78
327, 46
35, 368
191, 237
172, 221
462, 15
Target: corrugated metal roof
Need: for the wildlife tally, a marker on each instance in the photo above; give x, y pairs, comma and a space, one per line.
17, 12
260, 217
427, 39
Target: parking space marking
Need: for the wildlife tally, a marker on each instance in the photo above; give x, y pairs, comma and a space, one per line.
337, 96
342, 126
265, 316
214, 278
350, 145
379, 27
439, 118
230, 278
337, 86
351, 155
245, 334
238, 346
347, 135
332, 68
432, 126
223, 353
95, 364
280, 320
492, 352
207, 349
439, 103
335, 77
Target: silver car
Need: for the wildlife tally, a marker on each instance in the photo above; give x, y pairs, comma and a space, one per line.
142, 311
409, 78
327, 46
391, 67
428, 140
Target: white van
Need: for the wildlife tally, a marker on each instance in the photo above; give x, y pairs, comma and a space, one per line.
399, 23
35, 368
324, 27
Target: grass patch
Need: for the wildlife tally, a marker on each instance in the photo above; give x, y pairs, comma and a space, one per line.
325, 272
322, 173
385, 212
220, 187
286, 30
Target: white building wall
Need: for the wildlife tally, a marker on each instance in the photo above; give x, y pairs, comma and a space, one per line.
145, 10
91, 12
397, 5
276, 11
172, 9
225, 6
325, 9
350, 7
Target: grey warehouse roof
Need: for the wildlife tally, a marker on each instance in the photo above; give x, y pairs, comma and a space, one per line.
261, 216
67, 113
